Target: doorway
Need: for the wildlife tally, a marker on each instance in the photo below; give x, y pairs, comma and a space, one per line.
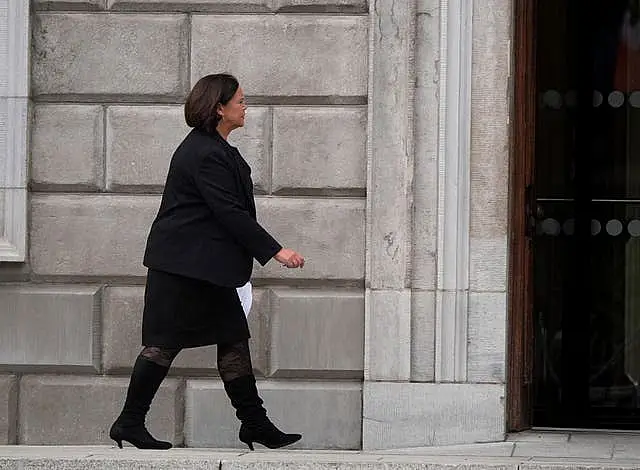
581, 220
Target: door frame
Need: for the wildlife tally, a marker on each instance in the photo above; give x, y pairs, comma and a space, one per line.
520, 332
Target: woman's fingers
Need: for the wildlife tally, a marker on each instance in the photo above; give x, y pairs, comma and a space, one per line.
295, 261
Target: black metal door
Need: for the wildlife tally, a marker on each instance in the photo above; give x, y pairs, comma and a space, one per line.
587, 243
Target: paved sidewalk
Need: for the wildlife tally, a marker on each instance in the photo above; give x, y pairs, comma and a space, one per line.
527, 451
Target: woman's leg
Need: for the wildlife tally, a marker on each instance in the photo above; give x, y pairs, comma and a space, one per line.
149, 370
234, 365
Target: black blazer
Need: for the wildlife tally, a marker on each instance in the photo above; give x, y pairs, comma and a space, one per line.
206, 227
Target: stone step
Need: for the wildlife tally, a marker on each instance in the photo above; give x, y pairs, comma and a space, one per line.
111, 458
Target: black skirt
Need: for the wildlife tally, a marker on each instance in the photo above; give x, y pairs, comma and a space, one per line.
181, 312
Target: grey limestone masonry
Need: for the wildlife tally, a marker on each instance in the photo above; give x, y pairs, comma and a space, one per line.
326, 413
8, 409
59, 410
67, 143
50, 326
108, 82
346, 139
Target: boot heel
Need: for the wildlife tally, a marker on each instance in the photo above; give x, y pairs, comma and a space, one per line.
119, 444
250, 444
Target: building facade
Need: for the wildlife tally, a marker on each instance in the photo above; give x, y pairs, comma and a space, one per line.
379, 137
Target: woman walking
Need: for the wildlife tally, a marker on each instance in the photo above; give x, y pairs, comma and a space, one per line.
200, 249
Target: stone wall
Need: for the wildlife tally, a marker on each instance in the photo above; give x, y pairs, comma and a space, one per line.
108, 81
378, 134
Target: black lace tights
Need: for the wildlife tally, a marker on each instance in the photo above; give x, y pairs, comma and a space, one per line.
234, 360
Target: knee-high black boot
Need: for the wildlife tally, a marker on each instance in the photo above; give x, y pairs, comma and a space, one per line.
145, 381
256, 426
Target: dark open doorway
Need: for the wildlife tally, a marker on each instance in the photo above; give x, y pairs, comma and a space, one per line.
580, 200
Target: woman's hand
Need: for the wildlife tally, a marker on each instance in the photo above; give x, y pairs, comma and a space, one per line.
289, 258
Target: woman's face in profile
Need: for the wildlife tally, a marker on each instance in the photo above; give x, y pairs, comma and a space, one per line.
233, 112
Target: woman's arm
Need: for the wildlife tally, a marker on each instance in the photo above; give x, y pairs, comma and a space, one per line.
216, 182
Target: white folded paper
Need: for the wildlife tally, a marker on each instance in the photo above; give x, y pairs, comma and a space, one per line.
246, 297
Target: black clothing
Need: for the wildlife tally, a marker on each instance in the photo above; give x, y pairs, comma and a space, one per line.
143, 386
255, 425
180, 312
206, 227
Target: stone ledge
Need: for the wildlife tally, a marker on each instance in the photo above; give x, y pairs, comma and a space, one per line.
471, 458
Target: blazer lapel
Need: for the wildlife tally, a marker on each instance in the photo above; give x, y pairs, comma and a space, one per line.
243, 172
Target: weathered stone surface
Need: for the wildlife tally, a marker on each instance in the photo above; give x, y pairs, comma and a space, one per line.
319, 148
86, 231
82, 235
487, 337
416, 415
346, 6
327, 414
66, 410
488, 265
391, 145
8, 409
222, 6
451, 335
49, 326
328, 232
69, 4
91, 54
142, 139
387, 347
423, 324
430, 7
316, 56
490, 151
425, 183
67, 145
140, 143
122, 324
304, 322
254, 143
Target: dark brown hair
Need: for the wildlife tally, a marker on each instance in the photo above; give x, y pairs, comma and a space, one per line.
201, 107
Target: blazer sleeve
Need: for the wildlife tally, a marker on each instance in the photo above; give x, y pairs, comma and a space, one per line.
216, 182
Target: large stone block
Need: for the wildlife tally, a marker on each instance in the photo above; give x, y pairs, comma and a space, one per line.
54, 326
142, 139
140, 142
423, 325
67, 145
69, 4
114, 55
217, 6
387, 353
490, 144
327, 414
319, 148
311, 6
391, 145
317, 334
122, 325
82, 235
417, 415
65, 410
488, 265
328, 232
487, 337
8, 409
316, 55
